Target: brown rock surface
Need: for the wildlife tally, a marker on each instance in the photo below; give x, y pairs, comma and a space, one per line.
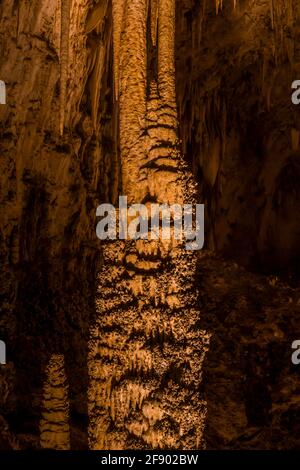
239, 132
50, 186
239, 127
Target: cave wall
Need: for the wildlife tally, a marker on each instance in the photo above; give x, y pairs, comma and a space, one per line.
50, 187
239, 128
240, 132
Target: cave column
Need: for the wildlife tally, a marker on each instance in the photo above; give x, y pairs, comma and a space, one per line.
132, 97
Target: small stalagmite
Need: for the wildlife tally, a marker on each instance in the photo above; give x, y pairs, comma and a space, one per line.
54, 424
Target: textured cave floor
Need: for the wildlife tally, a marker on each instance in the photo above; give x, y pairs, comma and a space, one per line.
251, 386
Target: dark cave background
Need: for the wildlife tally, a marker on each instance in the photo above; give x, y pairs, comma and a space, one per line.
240, 133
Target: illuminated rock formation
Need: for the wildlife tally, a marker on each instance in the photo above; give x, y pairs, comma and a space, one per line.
64, 67
146, 349
54, 425
64, 58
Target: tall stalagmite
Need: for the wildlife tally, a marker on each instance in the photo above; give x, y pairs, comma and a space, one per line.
146, 348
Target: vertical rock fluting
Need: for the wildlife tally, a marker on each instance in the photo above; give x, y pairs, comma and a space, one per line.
49, 187
166, 52
64, 58
146, 347
54, 425
118, 14
153, 5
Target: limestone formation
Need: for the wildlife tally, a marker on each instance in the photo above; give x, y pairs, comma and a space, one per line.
92, 92
54, 425
146, 351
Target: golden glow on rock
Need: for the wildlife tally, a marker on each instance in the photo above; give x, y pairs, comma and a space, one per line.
145, 347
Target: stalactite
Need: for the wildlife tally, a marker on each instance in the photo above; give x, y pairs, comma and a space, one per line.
54, 424
147, 307
7, 436
219, 6
282, 21
100, 58
118, 10
96, 81
64, 59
